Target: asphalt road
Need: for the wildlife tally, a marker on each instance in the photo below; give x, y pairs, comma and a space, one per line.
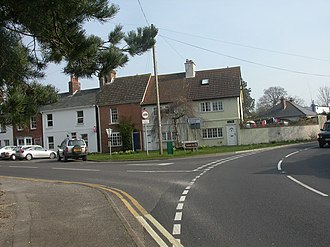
277, 197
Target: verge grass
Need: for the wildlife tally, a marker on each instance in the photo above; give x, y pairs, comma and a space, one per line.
177, 153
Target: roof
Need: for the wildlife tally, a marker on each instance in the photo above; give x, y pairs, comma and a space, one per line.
79, 99
124, 90
222, 83
291, 110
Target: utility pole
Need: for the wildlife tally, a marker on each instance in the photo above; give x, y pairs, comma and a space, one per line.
158, 103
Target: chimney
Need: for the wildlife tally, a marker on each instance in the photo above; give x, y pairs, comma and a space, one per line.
74, 85
110, 77
101, 81
283, 103
190, 68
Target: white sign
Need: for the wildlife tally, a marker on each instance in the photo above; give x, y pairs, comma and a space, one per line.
145, 114
109, 132
145, 121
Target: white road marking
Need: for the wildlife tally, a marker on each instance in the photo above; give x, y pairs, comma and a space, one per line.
180, 206
32, 167
291, 154
178, 216
279, 165
150, 164
188, 187
76, 169
176, 229
153, 171
185, 192
182, 199
307, 187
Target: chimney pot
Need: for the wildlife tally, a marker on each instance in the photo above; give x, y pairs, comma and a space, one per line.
190, 68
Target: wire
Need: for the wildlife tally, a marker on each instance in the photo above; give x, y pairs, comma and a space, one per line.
248, 46
245, 60
145, 17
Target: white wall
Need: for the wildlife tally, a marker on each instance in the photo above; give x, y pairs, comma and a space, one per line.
8, 135
65, 123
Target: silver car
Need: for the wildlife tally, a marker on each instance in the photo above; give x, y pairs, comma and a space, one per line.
33, 152
8, 152
72, 148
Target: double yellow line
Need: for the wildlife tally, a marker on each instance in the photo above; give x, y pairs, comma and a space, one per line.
135, 208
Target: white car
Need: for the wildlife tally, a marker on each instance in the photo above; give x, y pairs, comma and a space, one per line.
33, 152
8, 152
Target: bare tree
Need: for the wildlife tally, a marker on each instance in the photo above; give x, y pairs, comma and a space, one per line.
324, 96
271, 97
297, 100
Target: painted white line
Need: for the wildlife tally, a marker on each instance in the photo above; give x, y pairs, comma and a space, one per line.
32, 167
150, 164
291, 154
194, 180
191, 183
185, 192
152, 171
307, 187
188, 187
178, 216
180, 206
75, 169
198, 176
176, 229
182, 199
279, 165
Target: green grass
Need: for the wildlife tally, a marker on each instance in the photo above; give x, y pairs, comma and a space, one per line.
142, 155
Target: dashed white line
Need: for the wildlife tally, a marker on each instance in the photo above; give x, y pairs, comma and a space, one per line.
182, 199
75, 169
176, 229
291, 154
185, 192
180, 206
307, 187
32, 167
279, 165
178, 216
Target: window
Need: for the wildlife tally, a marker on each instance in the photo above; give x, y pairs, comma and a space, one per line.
205, 106
116, 140
3, 129
85, 138
33, 123
20, 142
50, 142
211, 106
6, 142
74, 135
113, 115
169, 136
80, 117
212, 133
28, 141
49, 120
205, 81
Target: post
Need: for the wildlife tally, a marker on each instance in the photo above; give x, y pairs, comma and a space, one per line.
158, 103
146, 138
109, 133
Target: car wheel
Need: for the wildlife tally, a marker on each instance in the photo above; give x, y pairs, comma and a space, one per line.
84, 158
52, 156
13, 157
28, 157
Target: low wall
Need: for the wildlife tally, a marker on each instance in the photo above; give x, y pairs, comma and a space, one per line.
277, 134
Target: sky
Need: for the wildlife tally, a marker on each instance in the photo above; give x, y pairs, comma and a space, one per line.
276, 43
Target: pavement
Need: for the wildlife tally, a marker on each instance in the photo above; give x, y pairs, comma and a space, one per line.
41, 213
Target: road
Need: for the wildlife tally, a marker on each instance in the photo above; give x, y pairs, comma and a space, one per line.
276, 197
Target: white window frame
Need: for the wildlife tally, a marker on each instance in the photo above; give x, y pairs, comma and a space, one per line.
85, 138
113, 115
209, 106
3, 129
116, 139
74, 135
80, 118
50, 121
51, 142
212, 133
169, 136
33, 123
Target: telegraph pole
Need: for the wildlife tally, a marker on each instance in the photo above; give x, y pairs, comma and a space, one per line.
158, 103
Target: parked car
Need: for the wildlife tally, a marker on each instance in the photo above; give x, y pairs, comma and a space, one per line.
72, 148
33, 152
8, 152
324, 136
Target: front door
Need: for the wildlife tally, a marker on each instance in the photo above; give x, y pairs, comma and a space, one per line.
231, 135
136, 141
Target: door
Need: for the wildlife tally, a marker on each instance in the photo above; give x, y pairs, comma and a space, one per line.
136, 141
231, 135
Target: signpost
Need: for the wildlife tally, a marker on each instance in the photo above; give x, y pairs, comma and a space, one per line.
109, 132
145, 121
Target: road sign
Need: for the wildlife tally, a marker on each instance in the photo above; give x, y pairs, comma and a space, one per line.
145, 121
145, 114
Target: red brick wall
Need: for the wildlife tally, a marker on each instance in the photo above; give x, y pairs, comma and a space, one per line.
27, 132
128, 111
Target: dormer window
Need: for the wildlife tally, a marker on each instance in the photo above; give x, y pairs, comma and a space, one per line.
205, 82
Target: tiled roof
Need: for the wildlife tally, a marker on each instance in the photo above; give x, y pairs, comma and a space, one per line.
291, 110
124, 90
222, 83
82, 98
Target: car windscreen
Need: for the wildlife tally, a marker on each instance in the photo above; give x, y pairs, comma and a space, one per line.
327, 127
76, 142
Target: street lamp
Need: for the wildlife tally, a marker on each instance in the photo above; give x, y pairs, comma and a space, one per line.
109, 132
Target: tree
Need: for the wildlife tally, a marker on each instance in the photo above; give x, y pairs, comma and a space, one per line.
271, 97
248, 101
126, 128
34, 33
324, 96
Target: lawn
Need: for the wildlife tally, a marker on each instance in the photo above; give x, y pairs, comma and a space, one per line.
142, 155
